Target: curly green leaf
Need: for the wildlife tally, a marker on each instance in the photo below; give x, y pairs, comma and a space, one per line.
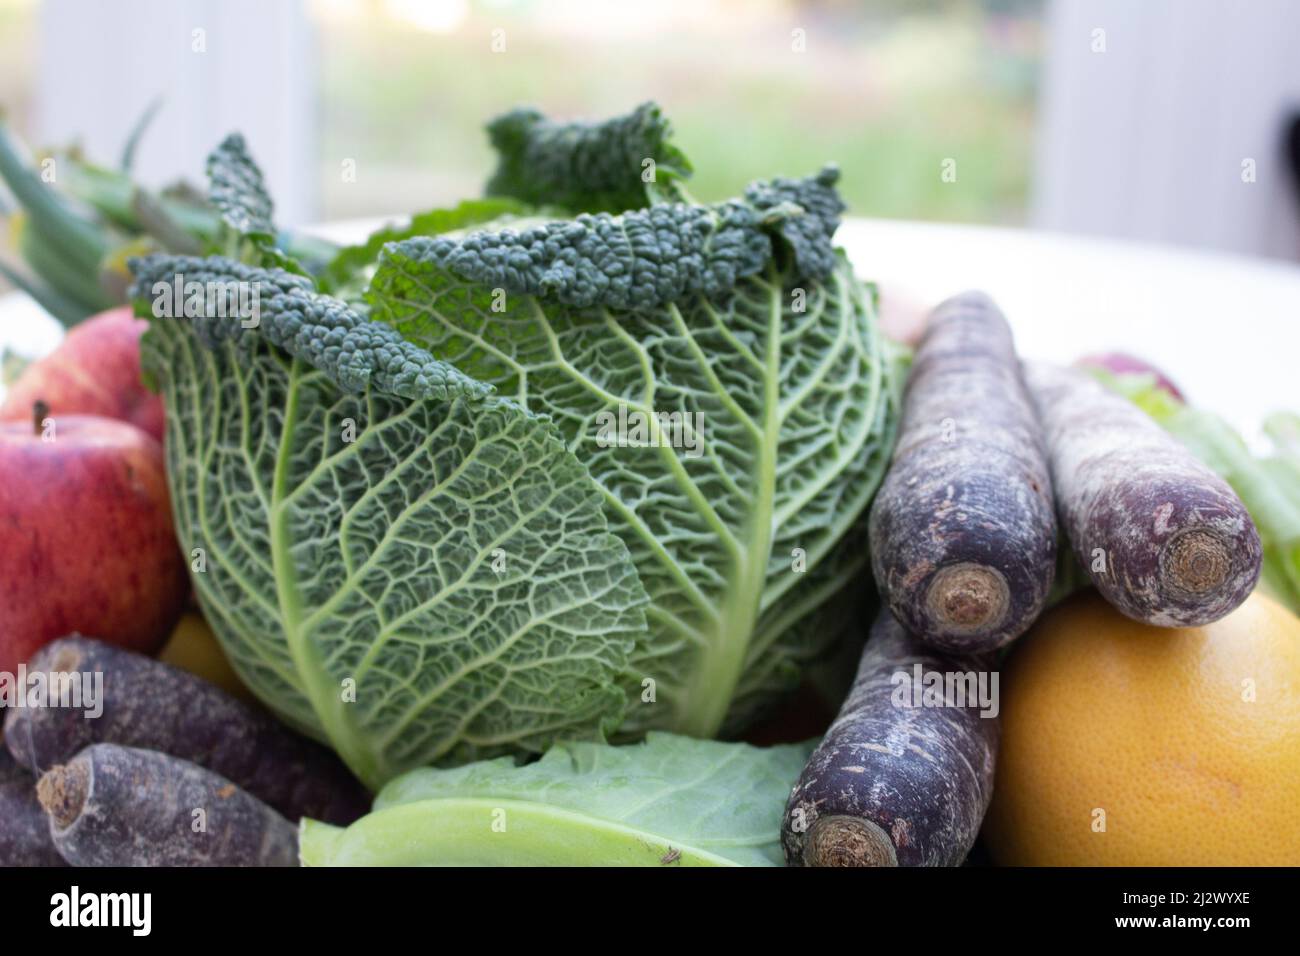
621, 163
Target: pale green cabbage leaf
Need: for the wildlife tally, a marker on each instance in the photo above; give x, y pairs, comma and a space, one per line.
671, 801
744, 548
355, 584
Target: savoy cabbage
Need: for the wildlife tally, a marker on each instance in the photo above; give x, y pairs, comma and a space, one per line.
420, 539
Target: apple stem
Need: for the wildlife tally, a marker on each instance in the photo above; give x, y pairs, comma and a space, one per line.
40, 411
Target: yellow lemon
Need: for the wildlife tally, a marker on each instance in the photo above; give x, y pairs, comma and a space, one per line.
1130, 745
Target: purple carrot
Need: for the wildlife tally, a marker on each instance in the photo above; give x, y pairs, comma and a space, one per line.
24, 831
963, 531
119, 806
1164, 539
905, 773
155, 706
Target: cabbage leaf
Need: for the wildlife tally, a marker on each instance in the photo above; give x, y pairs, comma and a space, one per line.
671, 801
541, 479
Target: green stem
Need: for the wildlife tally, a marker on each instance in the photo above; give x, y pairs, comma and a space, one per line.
81, 240
323, 691
716, 674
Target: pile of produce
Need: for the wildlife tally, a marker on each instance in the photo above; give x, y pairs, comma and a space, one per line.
513, 523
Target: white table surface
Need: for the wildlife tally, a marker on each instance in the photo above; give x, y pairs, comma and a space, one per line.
1225, 328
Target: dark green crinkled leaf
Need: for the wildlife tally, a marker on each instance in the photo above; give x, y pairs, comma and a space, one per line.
324, 332
237, 190
585, 167
805, 213
351, 262
645, 258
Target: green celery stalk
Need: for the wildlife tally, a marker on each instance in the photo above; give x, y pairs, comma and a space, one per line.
70, 279
80, 240
107, 191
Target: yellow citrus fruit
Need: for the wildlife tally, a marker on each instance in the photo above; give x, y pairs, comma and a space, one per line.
1130, 745
193, 647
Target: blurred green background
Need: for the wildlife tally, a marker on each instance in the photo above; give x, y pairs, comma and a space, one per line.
888, 89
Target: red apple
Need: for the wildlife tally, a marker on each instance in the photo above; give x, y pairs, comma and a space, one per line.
95, 370
86, 539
